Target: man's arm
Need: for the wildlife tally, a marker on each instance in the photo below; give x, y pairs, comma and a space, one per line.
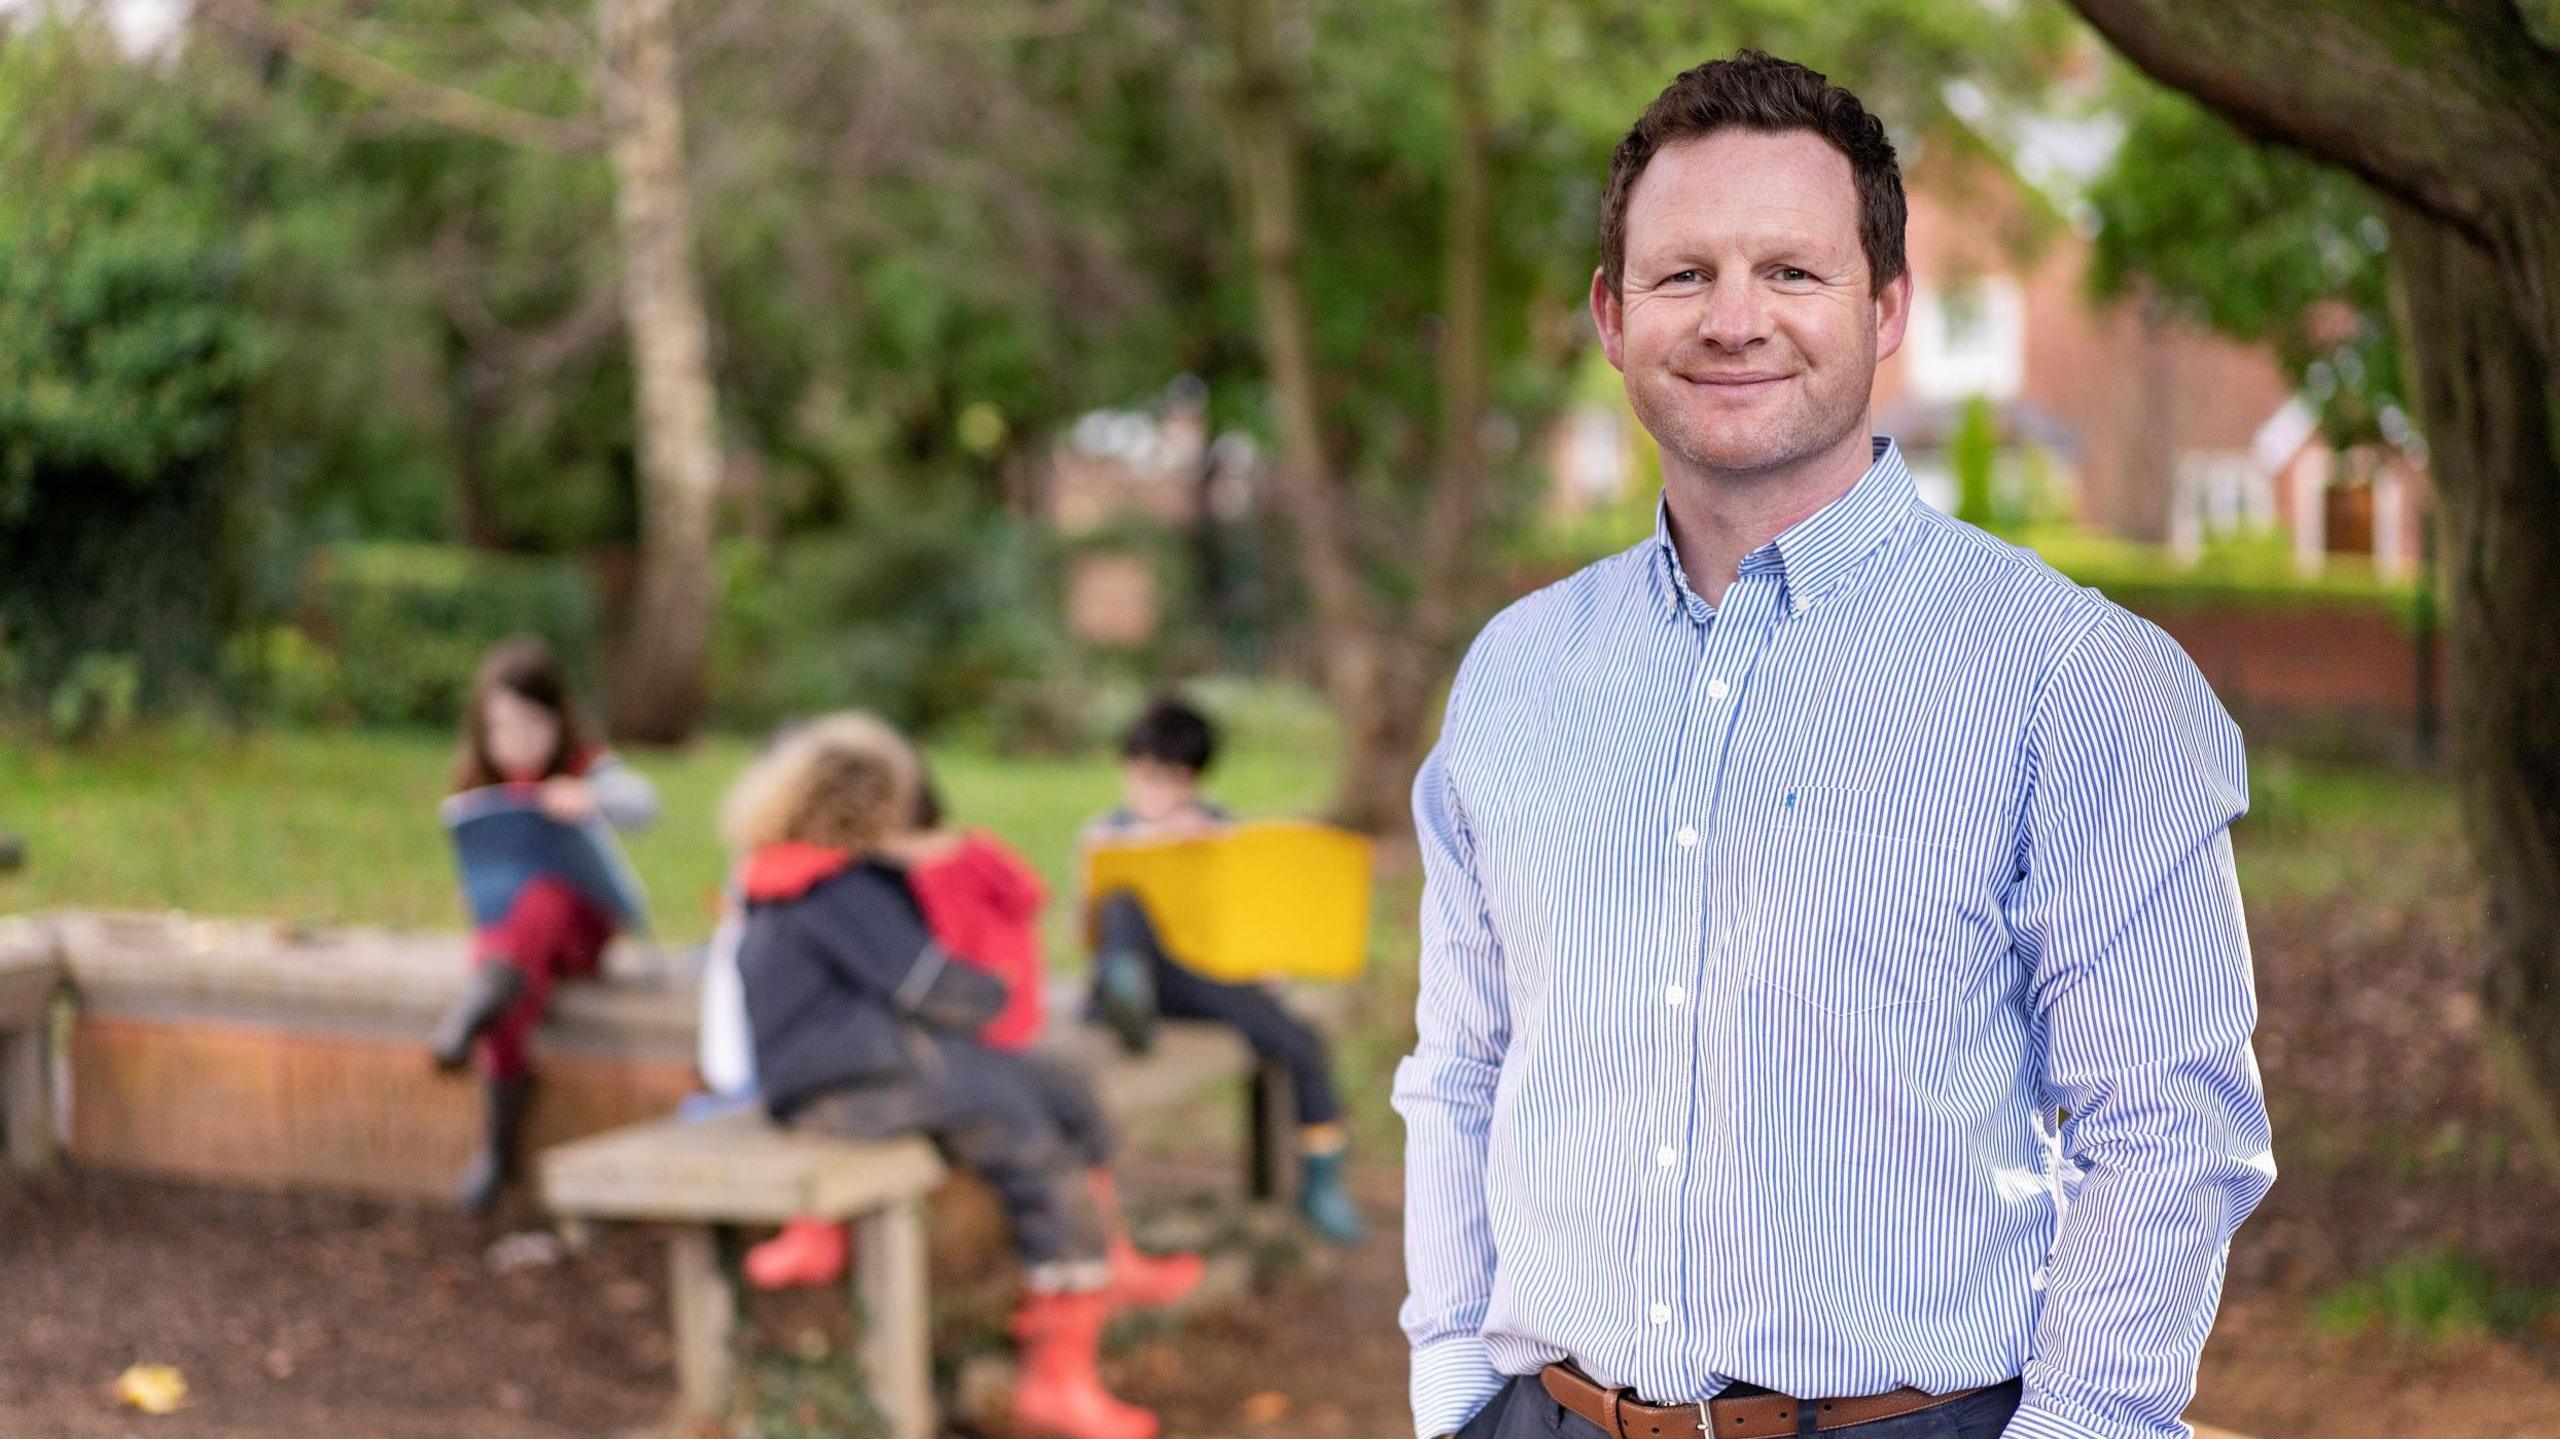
1444, 1090
2128, 915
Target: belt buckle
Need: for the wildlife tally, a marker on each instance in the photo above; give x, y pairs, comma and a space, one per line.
1706, 1421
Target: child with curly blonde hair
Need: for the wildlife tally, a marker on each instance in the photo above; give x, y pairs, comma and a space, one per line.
862, 1025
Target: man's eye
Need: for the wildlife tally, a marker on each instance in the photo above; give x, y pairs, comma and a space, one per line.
1793, 275
1682, 277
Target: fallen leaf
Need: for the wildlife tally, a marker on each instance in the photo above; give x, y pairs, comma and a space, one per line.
1268, 1407
152, 1388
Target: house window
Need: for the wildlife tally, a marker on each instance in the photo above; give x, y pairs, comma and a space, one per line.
1968, 338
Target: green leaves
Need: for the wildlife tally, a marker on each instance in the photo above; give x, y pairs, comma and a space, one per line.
2259, 243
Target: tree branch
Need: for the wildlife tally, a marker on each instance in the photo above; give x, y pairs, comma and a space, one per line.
2448, 107
438, 104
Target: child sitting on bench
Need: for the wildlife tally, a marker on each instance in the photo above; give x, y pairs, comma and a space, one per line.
521, 731
863, 1025
1163, 755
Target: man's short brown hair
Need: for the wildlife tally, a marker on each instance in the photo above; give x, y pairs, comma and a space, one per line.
1758, 91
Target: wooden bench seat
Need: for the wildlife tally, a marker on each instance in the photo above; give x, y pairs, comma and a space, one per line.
697, 1177
701, 1177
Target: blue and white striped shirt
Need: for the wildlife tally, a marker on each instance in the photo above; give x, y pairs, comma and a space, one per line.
1761, 944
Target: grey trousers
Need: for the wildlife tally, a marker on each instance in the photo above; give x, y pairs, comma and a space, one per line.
1027, 1125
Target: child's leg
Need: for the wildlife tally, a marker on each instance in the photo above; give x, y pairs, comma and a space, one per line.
994, 1117
1069, 1096
551, 932
1267, 1025
987, 1111
1138, 1279
1282, 1038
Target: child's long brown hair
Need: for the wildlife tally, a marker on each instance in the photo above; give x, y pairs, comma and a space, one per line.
522, 666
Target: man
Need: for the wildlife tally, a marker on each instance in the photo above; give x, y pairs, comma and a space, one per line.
1835, 1001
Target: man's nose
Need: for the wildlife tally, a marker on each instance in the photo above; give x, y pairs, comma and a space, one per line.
1735, 314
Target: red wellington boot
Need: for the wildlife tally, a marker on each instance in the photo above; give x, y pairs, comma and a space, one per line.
806, 1254
1059, 1394
1139, 1280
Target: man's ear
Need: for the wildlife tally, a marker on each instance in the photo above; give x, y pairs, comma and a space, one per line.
1608, 314
1893, 315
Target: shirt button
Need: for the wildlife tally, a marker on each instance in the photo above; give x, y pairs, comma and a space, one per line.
1674, 995
1666, 1156
1662, 1314
1688, 837
1717, 689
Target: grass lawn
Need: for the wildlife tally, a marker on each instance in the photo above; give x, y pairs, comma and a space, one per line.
340, 827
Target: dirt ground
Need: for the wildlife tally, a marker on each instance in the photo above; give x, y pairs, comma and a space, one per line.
305, 1318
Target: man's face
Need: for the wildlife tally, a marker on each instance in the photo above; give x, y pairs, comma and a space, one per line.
1747, 329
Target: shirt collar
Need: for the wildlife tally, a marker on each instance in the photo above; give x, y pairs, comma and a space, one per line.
1816, 553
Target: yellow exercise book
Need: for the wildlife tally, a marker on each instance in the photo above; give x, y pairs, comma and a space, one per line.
1268, 900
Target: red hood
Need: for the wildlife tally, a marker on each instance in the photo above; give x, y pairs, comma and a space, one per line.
791, 869
993, 874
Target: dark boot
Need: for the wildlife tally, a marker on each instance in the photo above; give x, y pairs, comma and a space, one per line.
1124, 998
500, 1139
494, 986
1323, 1200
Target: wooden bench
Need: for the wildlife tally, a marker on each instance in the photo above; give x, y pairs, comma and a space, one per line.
271, 1056
702, 1177
30, 976
697, 1177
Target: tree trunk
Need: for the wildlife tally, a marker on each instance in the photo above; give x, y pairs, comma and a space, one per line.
1379, 674
1262, 114
658, 696
1457, 496
2492, 420
2451, 111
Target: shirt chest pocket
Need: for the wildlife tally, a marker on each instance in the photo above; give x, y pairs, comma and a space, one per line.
1851, 915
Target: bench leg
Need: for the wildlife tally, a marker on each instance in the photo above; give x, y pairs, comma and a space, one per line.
28, 1117
706, 1315
889, 1289
1271, 1134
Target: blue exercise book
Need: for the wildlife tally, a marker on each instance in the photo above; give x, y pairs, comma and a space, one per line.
502, 841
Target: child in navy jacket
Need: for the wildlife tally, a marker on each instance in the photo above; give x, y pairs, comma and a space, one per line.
863, 1026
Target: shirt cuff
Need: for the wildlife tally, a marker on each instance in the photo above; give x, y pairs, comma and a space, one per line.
1452, 1379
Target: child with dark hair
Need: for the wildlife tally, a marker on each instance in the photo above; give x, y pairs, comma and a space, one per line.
863, 1025
1164, 754
521, 730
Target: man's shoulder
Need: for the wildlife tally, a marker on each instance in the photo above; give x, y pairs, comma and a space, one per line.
1973, 575
2014, 591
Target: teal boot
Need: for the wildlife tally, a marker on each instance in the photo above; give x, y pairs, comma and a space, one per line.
1324, 1201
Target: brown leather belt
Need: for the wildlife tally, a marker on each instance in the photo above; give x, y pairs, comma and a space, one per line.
1621, 1415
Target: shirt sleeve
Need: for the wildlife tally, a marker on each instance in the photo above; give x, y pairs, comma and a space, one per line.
623, 795
1444, 1090
2127, 913
873, 937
